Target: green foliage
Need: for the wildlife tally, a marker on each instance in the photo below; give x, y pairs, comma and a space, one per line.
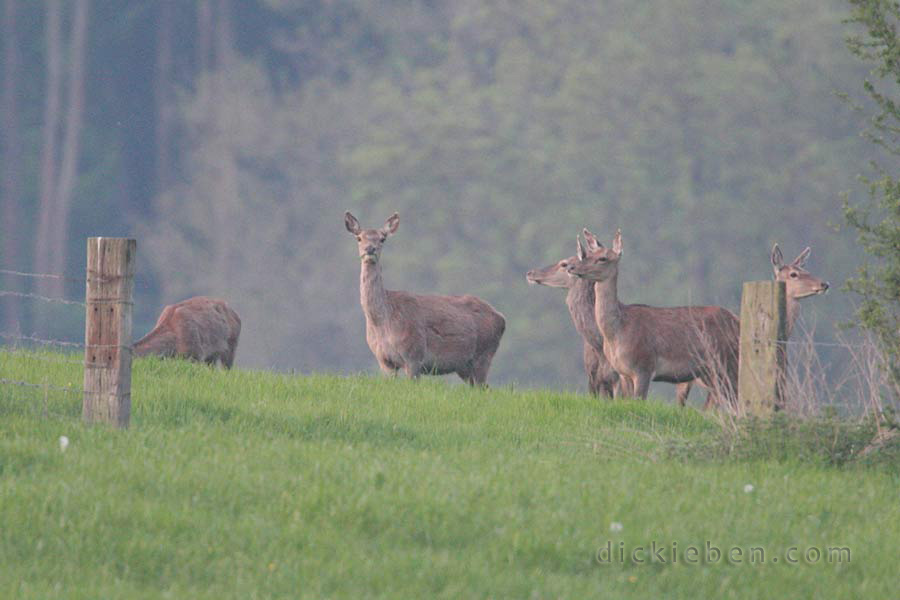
878, 221
498, 131
241, 484
829, 441
706, 131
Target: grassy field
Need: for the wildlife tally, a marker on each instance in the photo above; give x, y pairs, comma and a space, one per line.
253, 485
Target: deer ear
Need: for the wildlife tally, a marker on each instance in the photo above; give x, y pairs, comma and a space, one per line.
617, 242
591, 239
777, 258
391, 225
580, 252
800, 261
351, 223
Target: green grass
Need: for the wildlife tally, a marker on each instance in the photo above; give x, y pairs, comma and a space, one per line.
253, 485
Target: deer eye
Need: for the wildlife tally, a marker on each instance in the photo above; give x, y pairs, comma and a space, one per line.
794, 275
601, 259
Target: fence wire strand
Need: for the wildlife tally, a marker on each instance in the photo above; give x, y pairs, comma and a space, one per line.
40, 275
809, 343
39, 297
31, 339
45, 386
24, 345
49, 359
42, 341
92, 276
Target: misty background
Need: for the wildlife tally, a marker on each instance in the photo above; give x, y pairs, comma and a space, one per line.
229, 137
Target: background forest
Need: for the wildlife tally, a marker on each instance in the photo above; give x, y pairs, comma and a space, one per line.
229, 137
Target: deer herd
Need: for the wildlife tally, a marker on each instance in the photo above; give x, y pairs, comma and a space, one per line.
625, 346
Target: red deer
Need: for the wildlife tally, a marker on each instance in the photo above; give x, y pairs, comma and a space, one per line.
798, 283
200, 328
645, 343
602, 378
422, 334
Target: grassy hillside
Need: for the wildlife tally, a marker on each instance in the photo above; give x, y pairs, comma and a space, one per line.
253, 485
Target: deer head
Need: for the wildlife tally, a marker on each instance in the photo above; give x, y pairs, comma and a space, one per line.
556, 275
594, 262
370, 241
799, 283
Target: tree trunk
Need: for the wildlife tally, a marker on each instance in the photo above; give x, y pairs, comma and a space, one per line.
53, 34
10, 155
226, 185
204, 36
224, 36
71, 142
163, 90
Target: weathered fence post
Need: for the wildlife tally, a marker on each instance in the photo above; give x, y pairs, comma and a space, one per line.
107, 330
762, 352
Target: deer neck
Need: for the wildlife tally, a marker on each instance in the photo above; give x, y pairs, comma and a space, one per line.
792, 310
607, 309
160, 342
580, 301
372, 294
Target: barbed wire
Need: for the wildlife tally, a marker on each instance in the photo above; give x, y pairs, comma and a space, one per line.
809, 343
92, 276
28, 353
46, 386
50, 359
40, 398
40, 275
100, 278
43, 341
826, 344
64, 343
39, 297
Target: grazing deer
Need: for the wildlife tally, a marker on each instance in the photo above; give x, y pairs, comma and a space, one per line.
798, 283
602, 378
200, 328
644, 343
417, 333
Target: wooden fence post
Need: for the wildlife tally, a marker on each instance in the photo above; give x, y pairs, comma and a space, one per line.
107, 330
762, 352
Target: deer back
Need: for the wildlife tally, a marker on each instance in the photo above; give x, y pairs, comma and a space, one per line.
199, 328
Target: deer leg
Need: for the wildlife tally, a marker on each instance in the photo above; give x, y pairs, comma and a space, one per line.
228, 357
593, 383
711, 400
387, 369
604, 387
613, 390
481, 367
682, 390
625, 389
184, 347
591, 362
641, 385
412, 370
467, 374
